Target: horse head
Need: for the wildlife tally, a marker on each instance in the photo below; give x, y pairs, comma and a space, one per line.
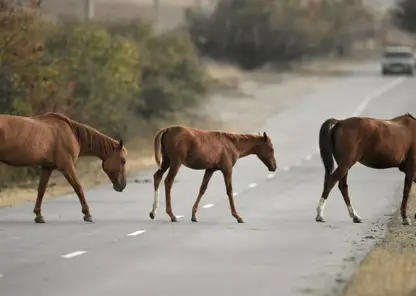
266, 153
115, 167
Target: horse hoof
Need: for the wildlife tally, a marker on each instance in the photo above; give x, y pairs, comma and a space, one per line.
193, 219
174, 219
240, 220
357, 220
88, 219
320, 219
152, 215
407, 221
39, 219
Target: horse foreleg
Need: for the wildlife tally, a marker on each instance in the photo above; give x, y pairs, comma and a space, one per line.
71, 176
408, 180
173, 171
157, 178
202, 189
339, 172
343, 187
229, 186
43, 183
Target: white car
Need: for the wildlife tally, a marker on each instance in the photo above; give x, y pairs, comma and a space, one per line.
398, 59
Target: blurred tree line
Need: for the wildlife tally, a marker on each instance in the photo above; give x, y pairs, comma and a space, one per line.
404, 15
115, 77
252, 33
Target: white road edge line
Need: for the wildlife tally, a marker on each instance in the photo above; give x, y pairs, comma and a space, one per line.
73, 254
252, 185
135, 233
269, 176
377, 93
207, 206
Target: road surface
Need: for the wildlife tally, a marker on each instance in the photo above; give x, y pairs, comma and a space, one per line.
280, 250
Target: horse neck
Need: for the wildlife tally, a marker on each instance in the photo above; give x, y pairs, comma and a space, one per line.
94, 143
246, 144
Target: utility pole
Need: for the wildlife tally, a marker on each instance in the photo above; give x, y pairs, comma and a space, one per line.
89, 9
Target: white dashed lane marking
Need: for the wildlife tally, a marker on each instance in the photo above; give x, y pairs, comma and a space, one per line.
138, 232
73, 254
252, 185
270, 176
286, 168
180, 216
235, 194
308, 157
1, 276
208, 206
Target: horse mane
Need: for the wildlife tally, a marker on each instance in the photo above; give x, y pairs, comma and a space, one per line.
410, 115
87, 136
239, 136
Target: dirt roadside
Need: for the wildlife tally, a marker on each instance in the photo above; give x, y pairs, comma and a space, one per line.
233, 96
390, 268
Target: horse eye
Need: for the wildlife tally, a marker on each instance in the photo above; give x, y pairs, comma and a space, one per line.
123, 162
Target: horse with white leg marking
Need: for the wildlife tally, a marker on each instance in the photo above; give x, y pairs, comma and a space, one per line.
54, 142
375, 143
208, 150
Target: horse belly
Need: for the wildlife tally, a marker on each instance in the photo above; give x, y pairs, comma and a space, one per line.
20, 149
379, 160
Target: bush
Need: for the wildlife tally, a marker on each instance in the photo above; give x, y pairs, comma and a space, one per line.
255, 32
110, 76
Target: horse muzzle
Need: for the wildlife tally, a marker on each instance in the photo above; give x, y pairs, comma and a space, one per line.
120, 186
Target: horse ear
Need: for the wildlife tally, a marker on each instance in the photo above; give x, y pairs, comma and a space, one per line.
121, 144
265, 136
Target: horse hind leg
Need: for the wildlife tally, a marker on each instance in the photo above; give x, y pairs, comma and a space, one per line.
157, 178
343, 187
339, 172
43, 183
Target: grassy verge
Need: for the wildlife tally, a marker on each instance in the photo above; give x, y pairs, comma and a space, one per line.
390, 268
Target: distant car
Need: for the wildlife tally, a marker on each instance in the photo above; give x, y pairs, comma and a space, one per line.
398, 59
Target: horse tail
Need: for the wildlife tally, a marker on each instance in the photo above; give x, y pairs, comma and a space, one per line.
326, 145
157, 145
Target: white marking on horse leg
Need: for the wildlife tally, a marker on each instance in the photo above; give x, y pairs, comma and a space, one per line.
207, 206
155, 202
252, 185
320, 210
353, 214
138, 232
73, 254
407, 221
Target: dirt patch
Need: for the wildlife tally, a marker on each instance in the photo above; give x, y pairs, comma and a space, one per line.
390, 268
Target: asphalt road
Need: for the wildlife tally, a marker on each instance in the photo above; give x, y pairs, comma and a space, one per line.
280, 250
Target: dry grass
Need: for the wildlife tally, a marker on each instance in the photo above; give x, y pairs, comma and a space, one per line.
389, 269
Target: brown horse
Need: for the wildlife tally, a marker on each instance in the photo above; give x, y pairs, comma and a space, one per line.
207, 150
375, 143
53, 141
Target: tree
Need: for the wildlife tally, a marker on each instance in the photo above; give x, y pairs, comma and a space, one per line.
404, 15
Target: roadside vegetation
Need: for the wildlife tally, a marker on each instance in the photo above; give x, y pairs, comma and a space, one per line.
127, 81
